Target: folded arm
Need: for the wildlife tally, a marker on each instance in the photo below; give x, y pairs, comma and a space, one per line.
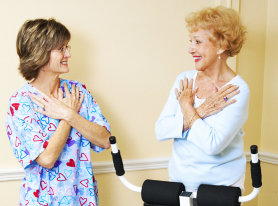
174, 123
66, 109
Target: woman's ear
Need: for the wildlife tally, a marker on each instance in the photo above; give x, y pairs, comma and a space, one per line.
222, 47
220, 51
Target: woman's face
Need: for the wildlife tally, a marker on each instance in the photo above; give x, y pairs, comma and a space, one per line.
58, 62
204, 52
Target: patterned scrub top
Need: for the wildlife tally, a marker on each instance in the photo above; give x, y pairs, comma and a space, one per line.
71, 181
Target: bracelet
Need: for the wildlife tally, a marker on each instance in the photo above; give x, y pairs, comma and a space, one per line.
190, 122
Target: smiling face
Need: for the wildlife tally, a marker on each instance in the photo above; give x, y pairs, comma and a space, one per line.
204, 51
58, 61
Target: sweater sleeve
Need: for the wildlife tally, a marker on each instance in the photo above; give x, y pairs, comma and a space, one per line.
170, 122
215, 133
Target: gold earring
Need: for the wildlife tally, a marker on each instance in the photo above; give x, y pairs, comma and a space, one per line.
219, 57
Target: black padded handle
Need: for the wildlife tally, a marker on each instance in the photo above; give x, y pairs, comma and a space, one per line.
118, 163
117, 158
256, 172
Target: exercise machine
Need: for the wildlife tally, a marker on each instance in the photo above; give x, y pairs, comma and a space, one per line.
164, 193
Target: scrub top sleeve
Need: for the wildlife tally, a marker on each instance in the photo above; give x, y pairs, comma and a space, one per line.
25, 134
95, 116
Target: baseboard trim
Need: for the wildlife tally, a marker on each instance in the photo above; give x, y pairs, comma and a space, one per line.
14, 174
270, 158
132, 165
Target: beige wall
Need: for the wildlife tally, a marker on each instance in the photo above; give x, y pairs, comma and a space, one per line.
128, 52
269, 134
251, 64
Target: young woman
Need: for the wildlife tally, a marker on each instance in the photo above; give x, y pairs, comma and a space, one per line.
53, 123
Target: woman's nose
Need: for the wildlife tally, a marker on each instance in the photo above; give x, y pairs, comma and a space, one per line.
191, 48
67, 53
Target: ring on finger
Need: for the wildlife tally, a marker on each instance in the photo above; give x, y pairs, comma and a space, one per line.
225, 98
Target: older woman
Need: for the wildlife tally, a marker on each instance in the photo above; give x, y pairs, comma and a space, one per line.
208, 145
52, 123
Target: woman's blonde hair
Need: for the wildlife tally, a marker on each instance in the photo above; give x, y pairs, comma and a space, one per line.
225, 25
35, 40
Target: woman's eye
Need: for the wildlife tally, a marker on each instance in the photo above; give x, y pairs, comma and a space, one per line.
194, 42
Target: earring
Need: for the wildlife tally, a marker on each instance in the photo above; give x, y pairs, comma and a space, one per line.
219, 57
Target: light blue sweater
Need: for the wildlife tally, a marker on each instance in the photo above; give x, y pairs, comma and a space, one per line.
212, 151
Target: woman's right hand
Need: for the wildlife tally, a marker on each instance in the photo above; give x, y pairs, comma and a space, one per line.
61, 107
218, 101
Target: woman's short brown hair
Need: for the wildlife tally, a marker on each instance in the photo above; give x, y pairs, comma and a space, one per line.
35, 40
225, 25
